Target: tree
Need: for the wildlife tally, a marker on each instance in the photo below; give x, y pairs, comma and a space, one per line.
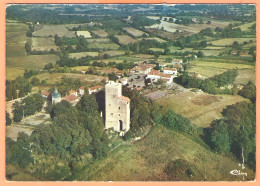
8, 120
200, 54
28, 48
112, 76
220, 137
35, 81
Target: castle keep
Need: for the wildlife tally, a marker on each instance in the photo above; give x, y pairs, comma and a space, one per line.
117, 108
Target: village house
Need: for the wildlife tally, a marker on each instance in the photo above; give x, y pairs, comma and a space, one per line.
142, 68
45, 94
94, 89
234, 52
72, 99
179, 67
172, 71
72, 92
82, 90
177, 61
245, 54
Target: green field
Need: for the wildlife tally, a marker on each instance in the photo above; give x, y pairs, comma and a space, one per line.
52, 30
146, 159
156, 49
104, 46
230, 41
43, 44
82, 54
200, 109
245, 27
13, 72
125, 39
211, 68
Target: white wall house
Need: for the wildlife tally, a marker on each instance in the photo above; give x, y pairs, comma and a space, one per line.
172, 71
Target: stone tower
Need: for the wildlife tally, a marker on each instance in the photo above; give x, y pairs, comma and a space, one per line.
56, 96
117, 108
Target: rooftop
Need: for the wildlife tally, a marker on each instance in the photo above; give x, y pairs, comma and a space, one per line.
70, 98
125, 98
95, 87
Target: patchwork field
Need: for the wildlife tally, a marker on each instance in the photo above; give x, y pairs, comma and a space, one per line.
100, 33
156, 49
85, 34
245, 75
52, 30
133, 31
199, 108
145, 160
166, 34
43, 44
210, 68
82, 54
115, 53
125, 39
209, 52
230, 41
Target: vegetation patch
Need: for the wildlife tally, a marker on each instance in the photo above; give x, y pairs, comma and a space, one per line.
125, 39
43, 44
79, 55
230, 41
85, 34
100, 33
98, 40
133, 31
52, 30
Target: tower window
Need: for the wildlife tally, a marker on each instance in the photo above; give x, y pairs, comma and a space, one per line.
109, 104
111, 114
114, 96
119, 108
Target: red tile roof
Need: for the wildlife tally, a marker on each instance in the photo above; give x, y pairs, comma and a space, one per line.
72, 92
45, 93
165, 75
70, 98
154, 72
95, 87
172, 69
125, 98
82, 88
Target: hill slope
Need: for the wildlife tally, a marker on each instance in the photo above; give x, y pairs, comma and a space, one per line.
146, 159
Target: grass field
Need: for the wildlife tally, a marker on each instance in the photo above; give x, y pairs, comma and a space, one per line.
100, 33
82, 54
98, 40
125, 39
200, 109
211, 68
56, 77
133, 31
229, 41
85, 34
247, 46
13, 72
115, 52
104, 46
210, 52
245, 75
245, 27
41, 44
13, 29
156, 49
155, 38
146, 159
52, 30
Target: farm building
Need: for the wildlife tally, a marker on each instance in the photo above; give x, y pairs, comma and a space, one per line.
72, 92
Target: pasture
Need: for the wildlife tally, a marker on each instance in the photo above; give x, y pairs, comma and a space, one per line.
207, 52
13, 29
85, 34
79, 55
98, 40
245, 27
104, 46
156, 49
43, 44
211, 68
55, 78
115, 52
154, 38
230, 41
100, 33
125, 39
200, 108
13, 72
133, 31
52, 30
245, 75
